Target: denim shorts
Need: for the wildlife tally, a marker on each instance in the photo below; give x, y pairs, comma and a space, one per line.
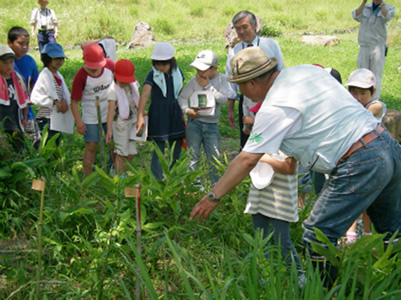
92, 133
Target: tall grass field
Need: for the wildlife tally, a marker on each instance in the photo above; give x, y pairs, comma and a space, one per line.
89, 232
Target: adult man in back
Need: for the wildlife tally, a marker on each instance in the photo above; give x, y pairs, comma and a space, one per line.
372, 37
245, 25
308, 115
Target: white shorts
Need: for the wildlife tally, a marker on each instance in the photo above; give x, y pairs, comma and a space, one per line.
121, 132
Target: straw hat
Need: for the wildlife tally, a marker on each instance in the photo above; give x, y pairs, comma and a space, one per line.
250, 63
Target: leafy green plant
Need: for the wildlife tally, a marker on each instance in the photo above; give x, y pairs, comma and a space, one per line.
367, 268
271, 29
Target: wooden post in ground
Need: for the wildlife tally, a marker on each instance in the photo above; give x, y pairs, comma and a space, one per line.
39, 185
136, 193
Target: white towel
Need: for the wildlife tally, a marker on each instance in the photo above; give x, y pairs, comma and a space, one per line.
122, 100
158, 78
44, 93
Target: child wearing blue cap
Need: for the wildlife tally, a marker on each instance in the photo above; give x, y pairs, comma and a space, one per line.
51, 94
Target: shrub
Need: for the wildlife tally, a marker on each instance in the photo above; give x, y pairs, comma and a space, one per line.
271, 29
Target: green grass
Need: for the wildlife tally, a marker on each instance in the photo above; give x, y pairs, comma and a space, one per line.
183, 19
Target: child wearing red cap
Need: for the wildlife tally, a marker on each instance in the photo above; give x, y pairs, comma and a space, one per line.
92, 81
123, 98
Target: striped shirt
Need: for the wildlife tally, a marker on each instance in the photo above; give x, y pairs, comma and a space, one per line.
279, 200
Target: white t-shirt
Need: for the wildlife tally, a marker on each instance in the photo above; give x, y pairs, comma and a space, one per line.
278, 123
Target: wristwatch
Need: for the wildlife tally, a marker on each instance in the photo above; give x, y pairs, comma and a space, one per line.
212, 197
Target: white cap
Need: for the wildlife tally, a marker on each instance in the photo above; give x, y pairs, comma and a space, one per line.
204, 60
362, 78
261, 175
6, 52
162, 51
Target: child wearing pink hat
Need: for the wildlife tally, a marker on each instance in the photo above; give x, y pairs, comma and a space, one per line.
92, 81
123, 97
362, 86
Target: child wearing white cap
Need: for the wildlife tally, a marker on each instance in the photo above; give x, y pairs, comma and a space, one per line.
362, 86
163, 84
201, 100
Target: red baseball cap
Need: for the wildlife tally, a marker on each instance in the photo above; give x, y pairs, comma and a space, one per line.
124, 71
94, 57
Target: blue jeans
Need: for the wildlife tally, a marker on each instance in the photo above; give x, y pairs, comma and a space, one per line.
369, 179
207, 134
45, 37
281, 237
155, 166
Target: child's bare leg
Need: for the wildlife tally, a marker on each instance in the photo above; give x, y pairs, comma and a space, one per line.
129, 158
113, 156
366, 223
89, 157
350, 236
121, 161
119, 164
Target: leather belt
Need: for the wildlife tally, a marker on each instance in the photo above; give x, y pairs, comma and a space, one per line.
46, 31
366, 139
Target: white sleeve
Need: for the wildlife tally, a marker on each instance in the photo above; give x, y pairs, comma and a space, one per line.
44, 90
33, 16
184, 95
271, 127
53, 17
111, 92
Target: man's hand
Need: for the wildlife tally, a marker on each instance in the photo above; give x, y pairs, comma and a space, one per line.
248, 120
246, 131
203, 208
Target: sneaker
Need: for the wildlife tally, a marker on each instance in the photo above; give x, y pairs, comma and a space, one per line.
348, 239
301, 280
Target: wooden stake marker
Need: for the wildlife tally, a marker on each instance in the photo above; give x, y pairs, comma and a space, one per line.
136, 193
39, 185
